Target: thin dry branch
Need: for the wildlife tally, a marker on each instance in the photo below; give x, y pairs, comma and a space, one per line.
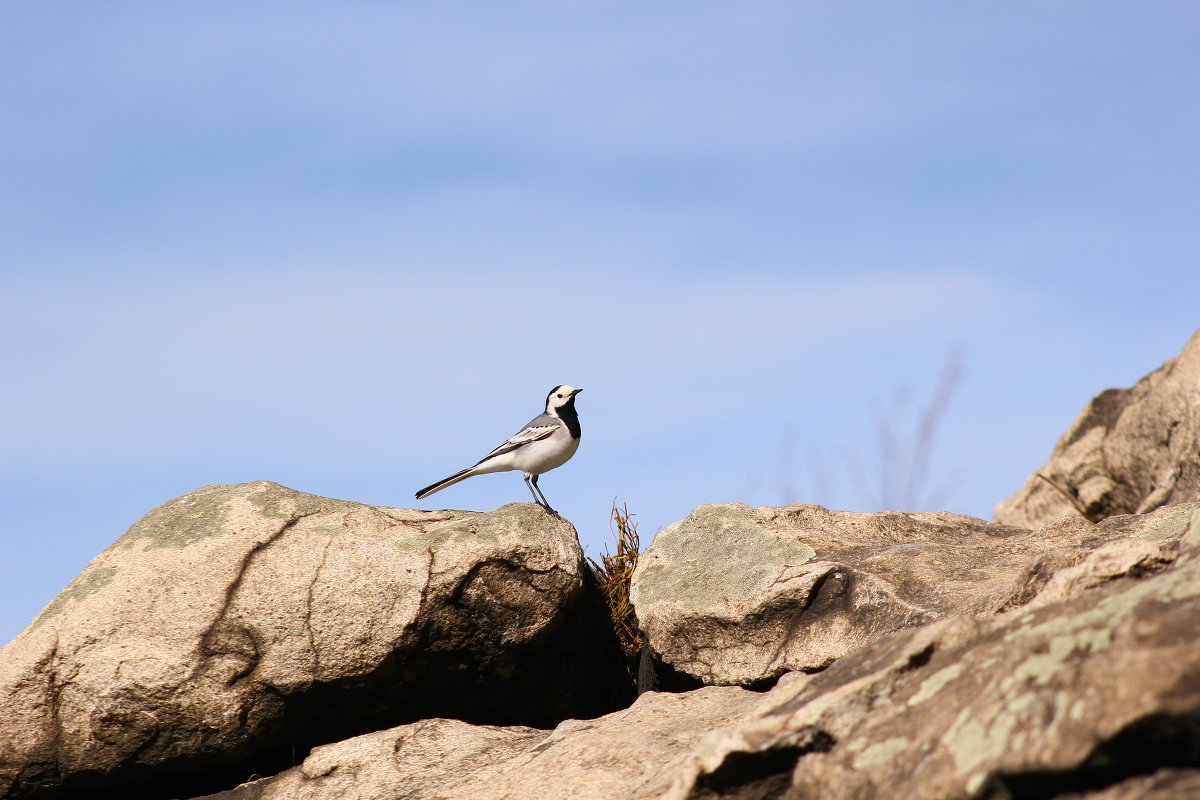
1071, 498
903, 457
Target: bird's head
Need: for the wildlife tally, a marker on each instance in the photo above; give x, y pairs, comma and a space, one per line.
561, 397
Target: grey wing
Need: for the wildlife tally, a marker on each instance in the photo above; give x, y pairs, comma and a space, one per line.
538, 428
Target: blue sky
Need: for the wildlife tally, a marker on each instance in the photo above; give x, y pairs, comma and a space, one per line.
349, 248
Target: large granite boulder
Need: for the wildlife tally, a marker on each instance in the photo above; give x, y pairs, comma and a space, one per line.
737, 595
628, 755
1130, 451
238, 624
740, 595
1094, 696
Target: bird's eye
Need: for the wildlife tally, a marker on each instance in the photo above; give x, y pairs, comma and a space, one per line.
560, 397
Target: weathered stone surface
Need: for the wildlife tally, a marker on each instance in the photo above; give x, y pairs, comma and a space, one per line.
1087, 687
408, 761
1131, 545
1090, 689
1130, 451
629, 755
1097, 695
241, 621
736, 595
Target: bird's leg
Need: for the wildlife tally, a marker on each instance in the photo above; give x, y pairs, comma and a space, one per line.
539, 491
545, 503
536, 499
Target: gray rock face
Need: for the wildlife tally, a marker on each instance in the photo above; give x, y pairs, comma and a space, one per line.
1129, 452
1096, 695
735, 595
1125, 546
629, 755
1087, 690
237, 621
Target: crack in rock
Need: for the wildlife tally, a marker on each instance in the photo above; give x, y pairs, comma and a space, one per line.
308, 610
210, 641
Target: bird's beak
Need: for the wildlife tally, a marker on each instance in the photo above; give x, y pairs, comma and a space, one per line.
577, 391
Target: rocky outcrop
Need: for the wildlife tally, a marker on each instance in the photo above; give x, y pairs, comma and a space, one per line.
1097, 695
1133, 545
1129, 452
1091, 694
237, 624
629, 755
737, 595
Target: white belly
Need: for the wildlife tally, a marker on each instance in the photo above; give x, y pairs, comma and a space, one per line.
537, 457
548, 454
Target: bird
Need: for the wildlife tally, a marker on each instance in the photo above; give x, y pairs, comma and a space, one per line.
547, 442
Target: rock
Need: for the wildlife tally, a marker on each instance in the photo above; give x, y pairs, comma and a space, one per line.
1096, 695
1125, 546
407, 761
1117, 559
1089, 692
1129, 452
629, 755
236, 623
735, 595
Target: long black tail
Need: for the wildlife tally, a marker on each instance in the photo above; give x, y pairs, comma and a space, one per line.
444, 482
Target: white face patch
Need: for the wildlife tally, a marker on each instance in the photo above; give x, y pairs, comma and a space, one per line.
559, 396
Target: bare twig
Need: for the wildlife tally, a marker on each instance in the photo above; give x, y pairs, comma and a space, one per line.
1071, 498
903, 459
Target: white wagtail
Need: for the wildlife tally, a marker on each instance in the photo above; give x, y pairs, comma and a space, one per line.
548, 441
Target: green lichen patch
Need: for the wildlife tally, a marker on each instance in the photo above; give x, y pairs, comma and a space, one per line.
881, 753
280, 502
1170, 523
183, 521
87, 582
934, 683
719, 550
206, 513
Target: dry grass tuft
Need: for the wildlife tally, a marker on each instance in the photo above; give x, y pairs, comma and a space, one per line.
614, 573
